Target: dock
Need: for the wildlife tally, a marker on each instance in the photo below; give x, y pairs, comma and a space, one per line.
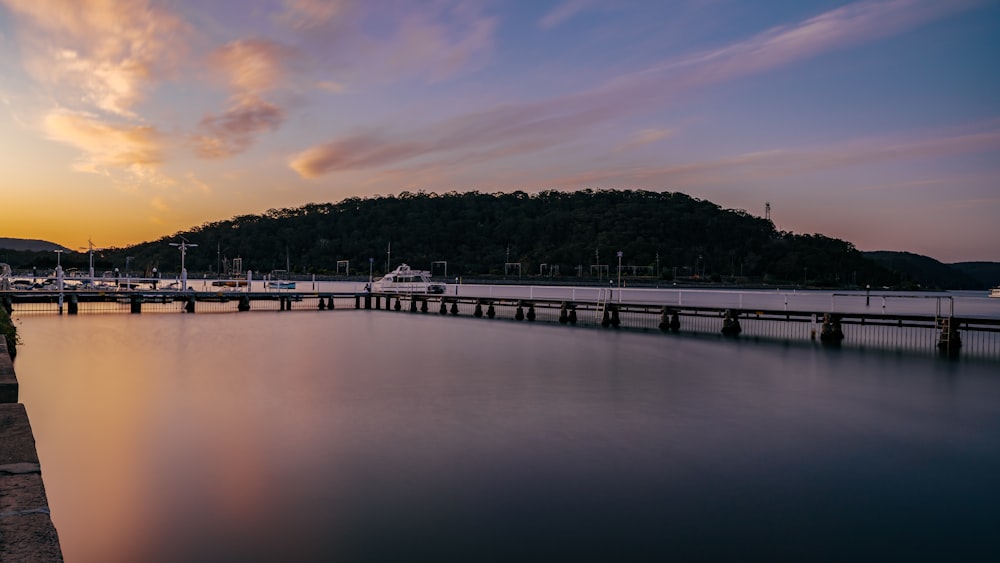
941, 333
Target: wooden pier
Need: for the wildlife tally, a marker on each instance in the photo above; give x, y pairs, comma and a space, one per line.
942, 333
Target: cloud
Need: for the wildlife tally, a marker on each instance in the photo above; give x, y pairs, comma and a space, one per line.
563, 12
251, 68
136, 149
103, 53
375, 42
309, 14
331, 86
643, 137
236, 129
783, 162
159, 204
356, 152
531, 126
439, 44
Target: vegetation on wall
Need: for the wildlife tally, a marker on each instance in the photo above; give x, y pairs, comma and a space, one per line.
9, 332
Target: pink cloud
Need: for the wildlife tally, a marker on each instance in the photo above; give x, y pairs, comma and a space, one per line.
251, 69
236, 129
546, 123
562, 12
376, 42
309, 14
790, 162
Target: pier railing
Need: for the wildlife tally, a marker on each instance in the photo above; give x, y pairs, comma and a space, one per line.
941, 332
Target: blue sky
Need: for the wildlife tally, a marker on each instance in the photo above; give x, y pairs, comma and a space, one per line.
875, 121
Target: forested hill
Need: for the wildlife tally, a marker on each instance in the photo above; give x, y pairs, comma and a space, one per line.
555, 233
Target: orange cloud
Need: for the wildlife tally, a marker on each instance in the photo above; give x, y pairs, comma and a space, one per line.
106, 145
102, 52
252, 66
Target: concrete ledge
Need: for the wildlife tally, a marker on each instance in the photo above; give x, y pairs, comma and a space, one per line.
8, 381
26, 529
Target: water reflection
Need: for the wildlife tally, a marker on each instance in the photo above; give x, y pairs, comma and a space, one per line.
389, 436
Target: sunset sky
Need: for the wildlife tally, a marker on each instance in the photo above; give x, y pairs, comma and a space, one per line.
877, 121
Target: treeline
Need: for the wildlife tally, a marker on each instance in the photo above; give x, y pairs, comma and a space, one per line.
553, 233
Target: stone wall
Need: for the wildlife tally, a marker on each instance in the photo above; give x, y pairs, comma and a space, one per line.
26, 529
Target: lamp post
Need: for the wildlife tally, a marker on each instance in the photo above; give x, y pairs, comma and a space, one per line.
371, 264
619, 269
183, 245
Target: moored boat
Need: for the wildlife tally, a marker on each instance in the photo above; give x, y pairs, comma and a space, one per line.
405, 280
279, 280
995, 292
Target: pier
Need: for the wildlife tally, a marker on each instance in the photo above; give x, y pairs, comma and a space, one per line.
942, 333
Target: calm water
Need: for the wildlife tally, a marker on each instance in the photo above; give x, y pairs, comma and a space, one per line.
363, 435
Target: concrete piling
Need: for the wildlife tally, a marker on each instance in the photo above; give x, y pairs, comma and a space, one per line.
731, 323
831, 332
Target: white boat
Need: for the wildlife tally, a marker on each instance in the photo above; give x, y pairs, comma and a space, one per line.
279, 280
405, 280
995, 292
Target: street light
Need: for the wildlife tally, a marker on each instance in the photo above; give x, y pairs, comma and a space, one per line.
619, 271
183, 245
371, 263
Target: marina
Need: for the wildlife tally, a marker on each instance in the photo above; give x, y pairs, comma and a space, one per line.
921, 323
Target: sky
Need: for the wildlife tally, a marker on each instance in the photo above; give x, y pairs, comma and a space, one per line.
874, 121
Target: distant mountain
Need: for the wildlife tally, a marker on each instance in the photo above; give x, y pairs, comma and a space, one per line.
29, 244
986, 273
916, 270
